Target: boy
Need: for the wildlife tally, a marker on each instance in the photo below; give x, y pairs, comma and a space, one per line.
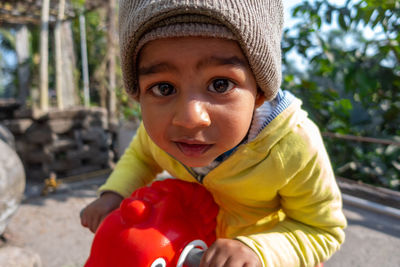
207, 77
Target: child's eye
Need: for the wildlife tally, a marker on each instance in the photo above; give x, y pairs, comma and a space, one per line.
162, 89
221, 85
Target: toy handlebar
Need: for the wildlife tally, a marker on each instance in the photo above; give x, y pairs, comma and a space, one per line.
194, 257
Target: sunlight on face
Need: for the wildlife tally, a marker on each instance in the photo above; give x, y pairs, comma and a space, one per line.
197, 96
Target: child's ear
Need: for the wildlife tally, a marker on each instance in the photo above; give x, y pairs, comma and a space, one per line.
260, 98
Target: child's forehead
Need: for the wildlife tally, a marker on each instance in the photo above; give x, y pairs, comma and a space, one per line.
211, 49
171, 55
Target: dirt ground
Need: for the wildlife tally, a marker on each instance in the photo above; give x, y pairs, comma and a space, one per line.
50, 226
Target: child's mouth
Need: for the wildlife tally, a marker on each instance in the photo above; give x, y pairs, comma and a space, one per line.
193, 150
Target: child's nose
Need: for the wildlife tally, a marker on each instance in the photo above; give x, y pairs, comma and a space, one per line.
192, 114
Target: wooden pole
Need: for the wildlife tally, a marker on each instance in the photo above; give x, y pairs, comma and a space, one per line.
58, 56
44, 56
69, 94
22, 49
111, 51
85, 69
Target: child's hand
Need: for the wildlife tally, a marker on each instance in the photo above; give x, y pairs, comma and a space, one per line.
229, 253
94, 213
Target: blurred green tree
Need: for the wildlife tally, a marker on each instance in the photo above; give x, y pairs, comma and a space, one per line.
350, 83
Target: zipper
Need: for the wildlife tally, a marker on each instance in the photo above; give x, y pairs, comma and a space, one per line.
197, 177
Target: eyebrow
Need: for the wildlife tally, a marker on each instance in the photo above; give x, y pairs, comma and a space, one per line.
221, 61
206, 62
157, 68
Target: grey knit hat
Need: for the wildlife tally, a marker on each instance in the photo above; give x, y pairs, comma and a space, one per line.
255, 24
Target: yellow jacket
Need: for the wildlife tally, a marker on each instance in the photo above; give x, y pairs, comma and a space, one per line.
277, 193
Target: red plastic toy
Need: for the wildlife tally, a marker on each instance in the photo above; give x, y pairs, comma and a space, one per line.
156, 227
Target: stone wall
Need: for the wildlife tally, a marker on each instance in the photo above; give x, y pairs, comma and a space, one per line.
66, 143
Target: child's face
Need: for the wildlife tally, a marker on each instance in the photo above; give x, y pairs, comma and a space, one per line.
197, 96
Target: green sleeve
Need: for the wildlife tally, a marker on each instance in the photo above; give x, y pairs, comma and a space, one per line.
135, 168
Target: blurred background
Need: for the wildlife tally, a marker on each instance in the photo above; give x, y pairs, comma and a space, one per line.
64, 113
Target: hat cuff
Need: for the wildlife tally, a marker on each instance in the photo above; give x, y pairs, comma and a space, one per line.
185, 30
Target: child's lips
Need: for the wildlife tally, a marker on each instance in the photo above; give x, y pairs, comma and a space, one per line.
193, 150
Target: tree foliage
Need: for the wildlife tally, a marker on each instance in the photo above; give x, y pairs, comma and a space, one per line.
350, 83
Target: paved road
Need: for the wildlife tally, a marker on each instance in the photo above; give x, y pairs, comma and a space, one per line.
372, 240
50, 226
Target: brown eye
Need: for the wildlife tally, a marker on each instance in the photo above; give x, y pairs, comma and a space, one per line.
162, 89
221, 85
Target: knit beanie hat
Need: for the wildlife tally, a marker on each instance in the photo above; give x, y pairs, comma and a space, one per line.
255, 24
